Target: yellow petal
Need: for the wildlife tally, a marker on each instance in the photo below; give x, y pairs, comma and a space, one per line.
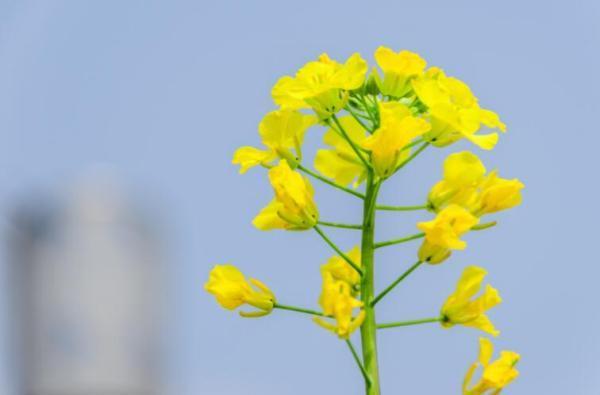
486, 350
248, 157
485, 141
352, 74
288, 93
268, 218
463, 169
403, 63
484, 324
284, 129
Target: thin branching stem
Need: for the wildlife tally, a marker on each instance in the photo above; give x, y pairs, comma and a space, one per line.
337, 249
358, 119
358, 362
353, 145
396, 282
298, 309
339, 225
402, 208
400, 240
412, 156
409, 323
329, 182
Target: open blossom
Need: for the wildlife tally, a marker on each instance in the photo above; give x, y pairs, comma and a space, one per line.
281, 132
463, 307
338, 302
340, 162
496, 375
293, 207
463, 174
442, 234
341, 270
466, 184
387, 144
499, 194
454, 111
322, 85
231, 290
398, 70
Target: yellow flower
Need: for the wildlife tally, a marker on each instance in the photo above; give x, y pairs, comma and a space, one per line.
280, 131
231, 289
454, 111
462, 308
322, 85
293, 207
442, 234
496, 375
466, 184
340, 270
340, 163
463, 173
499, 194
387, 144
398, 69
337, 301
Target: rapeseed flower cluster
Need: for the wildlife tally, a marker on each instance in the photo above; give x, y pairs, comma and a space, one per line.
374, 123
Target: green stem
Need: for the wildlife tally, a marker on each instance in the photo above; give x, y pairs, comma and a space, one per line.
329, 182
298, 309
398, 281
368, 110
337, 249
399, 241
485, 225
416, 142
338, 225
408, 323
402, 208
357, 118
412, 156
368, 330
357, 360
353, 145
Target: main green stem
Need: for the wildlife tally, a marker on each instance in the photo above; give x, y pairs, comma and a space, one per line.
368, 330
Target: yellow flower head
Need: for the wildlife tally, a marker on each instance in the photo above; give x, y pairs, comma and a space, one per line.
387, 144
322, 85
496, 375
337, 301
442, 234
340, 163
463, 173
231, 289
463, 308
454, 111
398, 69
340, 270
293, 207
280, 131
499, 194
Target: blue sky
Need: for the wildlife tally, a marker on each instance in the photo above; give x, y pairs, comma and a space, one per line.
165, 91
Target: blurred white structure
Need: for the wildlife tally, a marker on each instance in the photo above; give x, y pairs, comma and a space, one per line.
88, 292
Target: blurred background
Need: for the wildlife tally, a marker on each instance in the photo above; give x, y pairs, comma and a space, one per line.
118, 120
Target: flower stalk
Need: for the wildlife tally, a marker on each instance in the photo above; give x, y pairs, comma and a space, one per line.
409, 323
368, 331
